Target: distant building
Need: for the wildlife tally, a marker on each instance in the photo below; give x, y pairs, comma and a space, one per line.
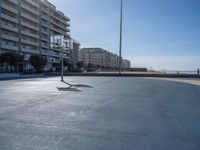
74, 51
126, 64
99, 56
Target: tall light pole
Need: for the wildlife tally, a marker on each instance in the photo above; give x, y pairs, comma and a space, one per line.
120, 41
62, 63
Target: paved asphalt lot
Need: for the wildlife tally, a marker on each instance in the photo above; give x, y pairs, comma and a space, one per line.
116, 114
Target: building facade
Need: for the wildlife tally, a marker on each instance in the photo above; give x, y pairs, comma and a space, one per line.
99, 56
74, 51
126, 64
27, 25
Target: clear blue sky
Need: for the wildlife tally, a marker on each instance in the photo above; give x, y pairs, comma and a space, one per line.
162, 34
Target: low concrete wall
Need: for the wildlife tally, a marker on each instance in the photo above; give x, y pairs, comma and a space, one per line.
9, 75
128, 75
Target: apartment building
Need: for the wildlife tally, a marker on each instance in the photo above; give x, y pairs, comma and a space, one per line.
99, 56
27, 25
126, 64
74, 51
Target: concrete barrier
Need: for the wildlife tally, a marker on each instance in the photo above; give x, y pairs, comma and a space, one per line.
128, 75
9, 75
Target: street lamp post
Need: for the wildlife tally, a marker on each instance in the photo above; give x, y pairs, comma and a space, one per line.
120, 42
62, 63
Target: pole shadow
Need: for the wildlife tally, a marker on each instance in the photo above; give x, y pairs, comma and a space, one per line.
70, 89
78, 85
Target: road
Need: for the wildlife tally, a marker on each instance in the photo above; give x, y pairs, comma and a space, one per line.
114, 113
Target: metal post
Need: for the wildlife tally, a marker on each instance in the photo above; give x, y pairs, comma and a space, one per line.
62, 63
120, 42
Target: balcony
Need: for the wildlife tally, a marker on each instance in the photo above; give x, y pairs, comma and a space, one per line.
68, 25
13, 1
45, 39
29, 42
56, 60
30, 34
9, 18
67, 18
29, 50
30, 9
58, 25
45, 45
58, 55
66, 56
45, 17
9, 37
66, 35
33, 3
30, 25
9, 27
66, 22
68, 30
56, 49
45, 52
30, 17
45, 10
60, 19
45, 32
9, 8
9, 47
45, 25
59, 31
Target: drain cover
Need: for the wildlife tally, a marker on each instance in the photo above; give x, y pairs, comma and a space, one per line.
68, 89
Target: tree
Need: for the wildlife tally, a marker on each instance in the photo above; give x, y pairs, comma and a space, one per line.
37, 62
80, 64
66, 62
20, 60
90, 65
2, 61
70, 66
10, 60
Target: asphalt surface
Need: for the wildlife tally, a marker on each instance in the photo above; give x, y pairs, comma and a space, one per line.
113, 114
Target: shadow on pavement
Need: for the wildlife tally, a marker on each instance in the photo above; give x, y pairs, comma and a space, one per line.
70, 89
78, 85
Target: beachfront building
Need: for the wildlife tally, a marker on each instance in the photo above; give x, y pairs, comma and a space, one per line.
74, 51
126, 64
26, 27
99, 57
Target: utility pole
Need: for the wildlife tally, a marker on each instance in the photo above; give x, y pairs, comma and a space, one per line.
62, 63
120, 42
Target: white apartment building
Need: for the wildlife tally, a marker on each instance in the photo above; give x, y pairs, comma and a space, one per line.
26, 27
126, 64
99, 56
74, 51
